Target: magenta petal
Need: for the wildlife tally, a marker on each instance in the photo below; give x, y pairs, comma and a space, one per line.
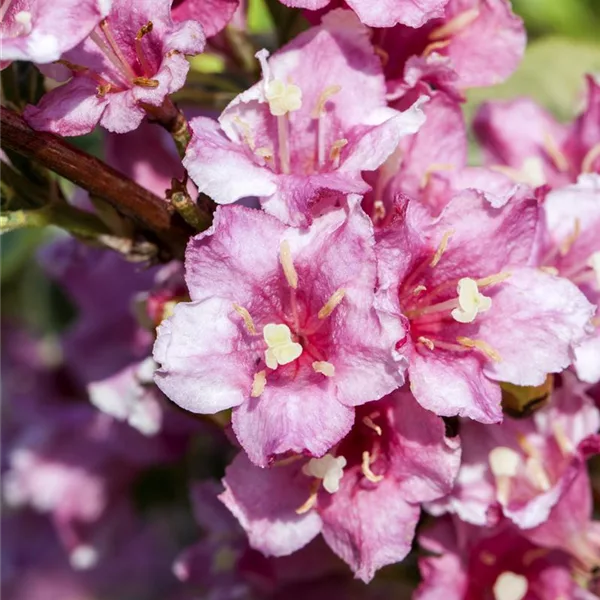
301, 416
451, 385
368, 528
264, 501
71, 109
386, 13
201, 368
535, 320
213, 15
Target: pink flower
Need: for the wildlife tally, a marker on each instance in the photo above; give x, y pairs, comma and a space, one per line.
128, 65
475, 43
523, 467
572, 249
281, 327
469, 563
41, 31
478, 313
213, 15
310, 125
363, 496
533, 147
383, 14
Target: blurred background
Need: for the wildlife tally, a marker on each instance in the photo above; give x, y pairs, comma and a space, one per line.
564, 44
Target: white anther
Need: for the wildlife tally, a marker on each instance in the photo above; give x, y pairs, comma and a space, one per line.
329, 468
470, 301
83, 557
281, 349
504, 461
324, 367
283, 97
510, 586
594, 262
23, 18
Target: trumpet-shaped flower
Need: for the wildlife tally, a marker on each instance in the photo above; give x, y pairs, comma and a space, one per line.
309, 126
282, 328
478, 311
363, 496
127, 67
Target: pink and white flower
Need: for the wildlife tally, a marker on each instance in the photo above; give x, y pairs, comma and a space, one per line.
41, 31
522, 467
282, 328
311, 125
363, 496
126, 68
476, 316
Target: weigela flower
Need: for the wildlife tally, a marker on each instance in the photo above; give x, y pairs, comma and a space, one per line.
470, 563
531, 146
523, 466
363, 496
127, 66
570, 527
213, 15
41, 31
476, 316
309, 125
281, 327
383, 14
475, 43
571, 249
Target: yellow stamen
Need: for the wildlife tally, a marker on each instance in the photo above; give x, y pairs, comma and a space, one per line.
312, 499
285, 258
455, 25
480, 345
384, 57
550, 270
258, 384
564, 443
434, 168
493, 279
246, 132
504, 464
487, 558
568, 242
426, 342
419, 289
431, 48
144, 30
336, 149
145, 82
265, 153
554, 152
368, 421
532, 555
366, 468
248, 322
102, 90
328, 92
441, 248
588, 161
379, 211
331, 304
324, 367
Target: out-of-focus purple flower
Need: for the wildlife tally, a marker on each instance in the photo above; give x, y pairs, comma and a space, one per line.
523, 467
523, 139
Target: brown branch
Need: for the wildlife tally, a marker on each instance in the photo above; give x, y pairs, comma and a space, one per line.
147, 210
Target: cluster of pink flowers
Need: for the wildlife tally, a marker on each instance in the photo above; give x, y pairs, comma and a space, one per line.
402, 350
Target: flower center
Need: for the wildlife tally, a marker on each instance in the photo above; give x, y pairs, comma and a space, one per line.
510, 586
